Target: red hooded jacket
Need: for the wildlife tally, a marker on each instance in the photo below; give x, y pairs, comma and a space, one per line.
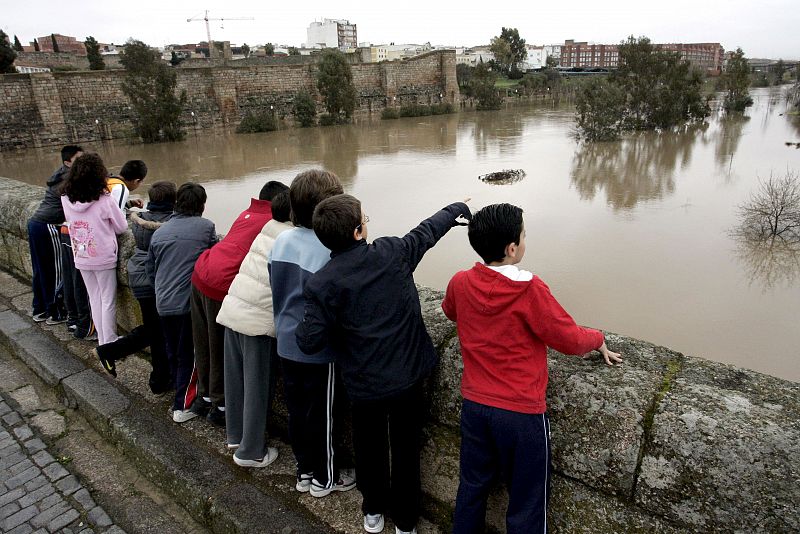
505, 328
218, 266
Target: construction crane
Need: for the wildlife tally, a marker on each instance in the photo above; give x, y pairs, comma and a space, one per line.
208, 29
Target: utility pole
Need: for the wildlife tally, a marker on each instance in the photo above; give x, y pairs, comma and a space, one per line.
208, 28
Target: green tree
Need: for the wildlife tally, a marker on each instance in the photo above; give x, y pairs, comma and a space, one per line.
55, 43
736, 80
7, 55
551, 62
269, 49
93, 54
600, 110
17, 44
335, 83
246, 50
482, 87
304, 109
509, 50
780, 69
175, 59
150, 86
294, 51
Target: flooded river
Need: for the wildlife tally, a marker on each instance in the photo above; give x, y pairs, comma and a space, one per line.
632, 237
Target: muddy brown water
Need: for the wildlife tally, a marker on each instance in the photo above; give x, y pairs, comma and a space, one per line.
632, 237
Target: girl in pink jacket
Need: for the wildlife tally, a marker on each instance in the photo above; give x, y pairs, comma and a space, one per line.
94, 221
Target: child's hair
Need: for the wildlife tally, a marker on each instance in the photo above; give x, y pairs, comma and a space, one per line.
271, 189
281, 210
134, 169
69, 151
162, 192
86, 180
308, 189
493, 228
191, 199
335, 219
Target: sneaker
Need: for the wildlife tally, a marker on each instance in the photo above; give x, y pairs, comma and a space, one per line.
107, 364
40, 317
55, 319
72, 327
398, 531
90, 337
346, 482
200, 407
181, 416
272, 454
304, 482
216, 417
231, 446
373, 523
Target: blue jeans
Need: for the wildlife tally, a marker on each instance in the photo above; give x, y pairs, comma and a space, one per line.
514, 446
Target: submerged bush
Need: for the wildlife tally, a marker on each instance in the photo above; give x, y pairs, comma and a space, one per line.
259, 121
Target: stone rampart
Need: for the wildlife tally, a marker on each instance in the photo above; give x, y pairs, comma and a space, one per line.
71, 107
664, 443
57, 60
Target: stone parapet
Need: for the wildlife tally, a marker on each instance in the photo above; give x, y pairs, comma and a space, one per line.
665, 442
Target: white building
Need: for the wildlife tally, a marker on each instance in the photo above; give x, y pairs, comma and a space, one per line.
537, 58
554, 51
25, 69
332, 33
473, 56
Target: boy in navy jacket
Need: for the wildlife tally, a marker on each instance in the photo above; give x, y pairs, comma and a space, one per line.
365, 306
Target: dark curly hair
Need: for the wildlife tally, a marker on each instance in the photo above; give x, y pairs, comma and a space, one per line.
86, 180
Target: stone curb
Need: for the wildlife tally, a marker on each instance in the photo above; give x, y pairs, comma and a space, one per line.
194, 476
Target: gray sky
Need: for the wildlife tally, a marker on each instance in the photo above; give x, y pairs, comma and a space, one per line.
769, 28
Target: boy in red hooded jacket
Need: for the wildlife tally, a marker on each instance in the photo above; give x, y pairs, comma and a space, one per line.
506, 318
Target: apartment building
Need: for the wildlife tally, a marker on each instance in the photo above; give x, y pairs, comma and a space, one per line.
332, 33
707, 56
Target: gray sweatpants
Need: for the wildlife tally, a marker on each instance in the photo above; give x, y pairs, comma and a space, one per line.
249, 387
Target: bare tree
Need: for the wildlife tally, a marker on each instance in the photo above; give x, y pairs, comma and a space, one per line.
773, 210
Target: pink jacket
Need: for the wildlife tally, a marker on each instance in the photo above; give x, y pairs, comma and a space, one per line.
93, 229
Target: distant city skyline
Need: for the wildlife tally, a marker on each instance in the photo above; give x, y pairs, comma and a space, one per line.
770, 28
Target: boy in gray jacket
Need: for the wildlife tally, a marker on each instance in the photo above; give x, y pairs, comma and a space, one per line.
174, 248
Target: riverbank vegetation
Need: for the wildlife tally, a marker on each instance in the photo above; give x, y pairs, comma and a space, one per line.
417, 110
736, 83
335, 84
150, 86
651, 90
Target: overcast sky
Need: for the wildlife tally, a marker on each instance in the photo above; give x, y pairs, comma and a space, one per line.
768, 28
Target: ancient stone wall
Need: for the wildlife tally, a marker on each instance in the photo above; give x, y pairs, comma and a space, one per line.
71, 107
663, 443
56, 60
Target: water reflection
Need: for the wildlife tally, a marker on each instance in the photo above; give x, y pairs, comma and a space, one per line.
495, 130
769, 262
728, 136
636, 169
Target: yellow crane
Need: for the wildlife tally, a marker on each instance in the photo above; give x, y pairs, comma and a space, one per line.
208, 29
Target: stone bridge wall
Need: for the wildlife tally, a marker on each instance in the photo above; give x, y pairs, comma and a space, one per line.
44, 109
663, 443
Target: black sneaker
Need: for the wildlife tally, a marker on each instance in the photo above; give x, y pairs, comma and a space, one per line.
216, 417
40, 317
107, 364
200, 407
55, 319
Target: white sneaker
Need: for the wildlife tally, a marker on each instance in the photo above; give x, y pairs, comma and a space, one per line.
181, 416
398, 531
373, 523
304, 482
346, 482
271, 456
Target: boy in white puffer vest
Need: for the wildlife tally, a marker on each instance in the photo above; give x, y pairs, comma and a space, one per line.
250, 346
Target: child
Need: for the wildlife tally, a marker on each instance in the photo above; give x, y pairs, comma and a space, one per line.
131, 176
250, 346
211, 278
364, 304
149, 334
309, 379
506, 318
45, 244
94, 222
173, 250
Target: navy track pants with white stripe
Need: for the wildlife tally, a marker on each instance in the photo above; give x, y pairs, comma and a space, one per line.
513, 446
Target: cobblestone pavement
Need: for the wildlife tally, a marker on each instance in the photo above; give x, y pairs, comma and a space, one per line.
38, 493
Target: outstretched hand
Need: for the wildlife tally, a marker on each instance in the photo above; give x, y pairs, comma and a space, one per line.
464, 218
609, 356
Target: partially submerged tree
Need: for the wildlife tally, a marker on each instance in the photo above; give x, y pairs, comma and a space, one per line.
304, 109
600, 109
93, 54
773, 209
736, 80
660, 91
150, 86
482, 88
7, 55
335, 84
